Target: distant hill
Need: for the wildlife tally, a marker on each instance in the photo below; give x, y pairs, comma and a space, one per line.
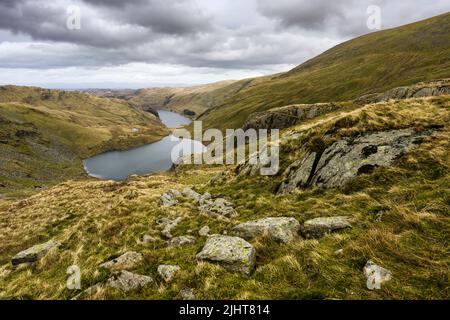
46, 133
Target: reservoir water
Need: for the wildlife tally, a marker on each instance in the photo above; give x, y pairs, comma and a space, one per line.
154, 157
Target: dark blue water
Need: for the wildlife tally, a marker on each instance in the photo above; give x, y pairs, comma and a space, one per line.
154, 157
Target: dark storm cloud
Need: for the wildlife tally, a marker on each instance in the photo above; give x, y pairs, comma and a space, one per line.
223, 34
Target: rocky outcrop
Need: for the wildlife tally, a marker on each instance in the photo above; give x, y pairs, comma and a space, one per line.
349, 158
319, 227
284, 117
34, 253
126, 281
167, 272
283, 230
191, 194
376, 275
128, 261
420, 90
169, 199
232, 253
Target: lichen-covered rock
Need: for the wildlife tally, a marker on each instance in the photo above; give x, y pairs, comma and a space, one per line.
181, 241
34, 253
128, 261
280, 229
167, 272
126, 281
319, 227
376, 275
146, 239
218, 208
348, 158
204, 198
232, 253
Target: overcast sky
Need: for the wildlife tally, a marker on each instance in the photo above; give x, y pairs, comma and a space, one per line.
144, 43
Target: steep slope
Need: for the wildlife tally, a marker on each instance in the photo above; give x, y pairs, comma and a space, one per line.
45, 134
368, 64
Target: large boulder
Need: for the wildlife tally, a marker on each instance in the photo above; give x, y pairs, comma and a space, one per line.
128, 261
232, 253
126, 281
34, 253
319, 227
349, 158
281, 229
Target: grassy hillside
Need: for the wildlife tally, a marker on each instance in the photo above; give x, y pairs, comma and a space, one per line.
400, 215
368, 64
45, 134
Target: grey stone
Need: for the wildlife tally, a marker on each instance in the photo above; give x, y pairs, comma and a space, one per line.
126, 281
128, 261
191, 194
167, 200
34, 253
218, 208
187, 294
205, 197
232, 253
204, 231
148, 239
167, 226
319, 227
376, 275
181, 241
280, 229
167, 272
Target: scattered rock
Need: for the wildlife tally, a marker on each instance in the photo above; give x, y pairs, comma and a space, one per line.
128, 261
218, 208
181, 241
191, 194
233, 253
376, 275
339, 252
319, 227
167, 226
283, 230
167, 200
187, 294
204, 198
204, 231
349, 158
174, 193
34, 253
126, 281
167, 272
148, 239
